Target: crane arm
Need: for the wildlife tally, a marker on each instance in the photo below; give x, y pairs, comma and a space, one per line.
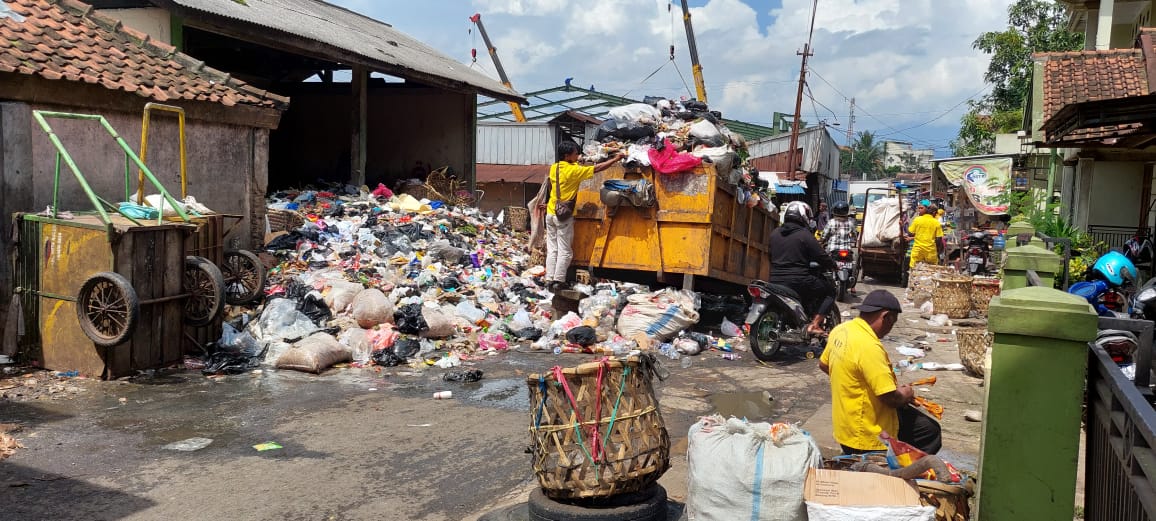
695, 65
514, 107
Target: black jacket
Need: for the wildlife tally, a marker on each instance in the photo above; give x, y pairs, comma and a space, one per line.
793, 248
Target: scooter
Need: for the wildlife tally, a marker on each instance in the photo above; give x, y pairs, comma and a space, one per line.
1108, 300
978, 253
845, 275
1144, 303
777, 316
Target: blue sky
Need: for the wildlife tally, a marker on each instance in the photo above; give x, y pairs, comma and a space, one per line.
908, 63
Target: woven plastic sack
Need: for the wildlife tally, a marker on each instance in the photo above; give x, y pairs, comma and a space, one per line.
660, 315
881, 222
314, 354
441, 324
821, 512
371, 307
341, 294
742, 470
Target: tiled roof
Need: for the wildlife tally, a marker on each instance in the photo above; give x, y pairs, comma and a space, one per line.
1081, 76
68, 40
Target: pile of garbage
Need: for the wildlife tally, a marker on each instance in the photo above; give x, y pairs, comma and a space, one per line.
673, 136
374, 277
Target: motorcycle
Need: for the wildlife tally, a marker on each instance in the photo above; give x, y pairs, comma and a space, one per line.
978, 253
845, 275
777, 316
1144, 303
1108, 300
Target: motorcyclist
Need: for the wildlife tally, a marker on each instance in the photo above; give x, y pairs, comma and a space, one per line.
839, 233
793, 249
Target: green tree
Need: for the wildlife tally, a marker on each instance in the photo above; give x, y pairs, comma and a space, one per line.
1034, 26
863, 156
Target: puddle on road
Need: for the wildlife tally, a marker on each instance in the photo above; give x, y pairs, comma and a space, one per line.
507, 393
754, 405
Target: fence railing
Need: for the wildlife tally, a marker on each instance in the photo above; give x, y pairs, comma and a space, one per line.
1120, 465
1116, 236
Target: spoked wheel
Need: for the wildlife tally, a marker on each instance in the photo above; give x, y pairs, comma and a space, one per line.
244, 276
765, 339
206, 288
107, 308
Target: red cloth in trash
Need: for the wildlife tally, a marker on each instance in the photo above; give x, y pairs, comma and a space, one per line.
670, 161
382, 191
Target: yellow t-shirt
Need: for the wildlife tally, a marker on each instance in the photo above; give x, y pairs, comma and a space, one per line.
926, 229
860, 373
569, 176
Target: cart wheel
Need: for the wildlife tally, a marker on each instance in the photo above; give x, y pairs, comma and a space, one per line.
206, 286
107, 308
244, 277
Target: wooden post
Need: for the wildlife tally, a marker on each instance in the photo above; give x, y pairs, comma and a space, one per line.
360, 117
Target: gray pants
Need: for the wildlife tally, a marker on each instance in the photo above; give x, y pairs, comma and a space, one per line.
559, 235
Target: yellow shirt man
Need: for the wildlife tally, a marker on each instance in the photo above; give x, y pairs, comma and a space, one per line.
568, 176
926, 230
860, 374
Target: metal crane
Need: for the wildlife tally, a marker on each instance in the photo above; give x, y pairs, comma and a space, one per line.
514, 107
695, 66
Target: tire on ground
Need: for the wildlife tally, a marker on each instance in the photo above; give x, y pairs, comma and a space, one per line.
647, 505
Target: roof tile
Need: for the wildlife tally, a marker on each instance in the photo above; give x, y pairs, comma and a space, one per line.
1081, 76
67, 40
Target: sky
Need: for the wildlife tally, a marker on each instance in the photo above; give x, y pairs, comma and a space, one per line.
908, 64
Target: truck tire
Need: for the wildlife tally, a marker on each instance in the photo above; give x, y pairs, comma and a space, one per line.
648, 505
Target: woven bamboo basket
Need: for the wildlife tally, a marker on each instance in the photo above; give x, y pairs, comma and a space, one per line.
517, 218
921, 281
422, 191
439, 180
614, 398
284, 220
974, 344
538, 257
952, 295
982, 291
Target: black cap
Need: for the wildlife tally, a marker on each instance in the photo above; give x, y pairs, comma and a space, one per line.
879, 299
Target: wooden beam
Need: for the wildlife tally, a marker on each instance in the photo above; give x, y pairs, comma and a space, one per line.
79, 95
360, 122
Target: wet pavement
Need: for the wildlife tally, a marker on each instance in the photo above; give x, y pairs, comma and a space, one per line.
364, 443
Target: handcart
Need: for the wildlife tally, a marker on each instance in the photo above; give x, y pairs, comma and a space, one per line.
108, 292
243, 272
888, 261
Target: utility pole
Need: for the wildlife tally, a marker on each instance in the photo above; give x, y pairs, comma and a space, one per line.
851, 124
792, 160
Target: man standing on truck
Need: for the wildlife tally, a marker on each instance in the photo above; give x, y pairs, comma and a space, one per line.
564, 178
925, 232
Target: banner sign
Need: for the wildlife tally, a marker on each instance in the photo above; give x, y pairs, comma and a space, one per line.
984, 181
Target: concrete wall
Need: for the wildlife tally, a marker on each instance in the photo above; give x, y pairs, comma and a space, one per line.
225, 162
1114, 198
152, 21
406, 125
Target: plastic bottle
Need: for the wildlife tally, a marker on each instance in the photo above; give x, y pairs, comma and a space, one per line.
443, 395
669, 351
730, 356
999, 242
567, 349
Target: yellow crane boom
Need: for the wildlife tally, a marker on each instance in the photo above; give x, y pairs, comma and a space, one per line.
514, 107
695, 66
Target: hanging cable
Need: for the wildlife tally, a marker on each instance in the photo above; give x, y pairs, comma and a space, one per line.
683, 78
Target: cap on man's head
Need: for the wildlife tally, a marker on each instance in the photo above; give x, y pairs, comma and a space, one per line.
925, 203
879, 299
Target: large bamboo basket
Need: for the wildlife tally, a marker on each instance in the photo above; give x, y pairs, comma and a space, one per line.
517, 218
921, 281
982, 291
974, 344
952, 295
284, 220
625, 413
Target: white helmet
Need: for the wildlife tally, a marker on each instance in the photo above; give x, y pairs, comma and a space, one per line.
797, 212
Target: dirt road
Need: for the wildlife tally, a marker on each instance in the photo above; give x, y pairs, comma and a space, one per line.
358, 444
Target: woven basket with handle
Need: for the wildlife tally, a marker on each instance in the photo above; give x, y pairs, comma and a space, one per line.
517, 218
982, 291
595, 429
973, 346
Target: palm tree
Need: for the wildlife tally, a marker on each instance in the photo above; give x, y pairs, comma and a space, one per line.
864, 155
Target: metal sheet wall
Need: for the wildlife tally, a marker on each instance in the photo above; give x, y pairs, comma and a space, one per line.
515, 143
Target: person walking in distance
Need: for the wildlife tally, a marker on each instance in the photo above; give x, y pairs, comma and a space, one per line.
925, 232
564, 178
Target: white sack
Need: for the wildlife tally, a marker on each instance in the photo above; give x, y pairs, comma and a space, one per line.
640, 113
881, 222
820, 512
740, 470
660, 315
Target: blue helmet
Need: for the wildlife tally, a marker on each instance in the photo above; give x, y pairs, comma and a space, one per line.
1115, 268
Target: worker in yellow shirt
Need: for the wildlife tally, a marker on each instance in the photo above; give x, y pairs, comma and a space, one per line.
926, 233
866, 398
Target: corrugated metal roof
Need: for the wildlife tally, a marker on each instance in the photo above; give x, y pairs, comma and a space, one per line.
377, 42
549, 104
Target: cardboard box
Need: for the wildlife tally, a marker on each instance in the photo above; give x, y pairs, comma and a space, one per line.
844, 488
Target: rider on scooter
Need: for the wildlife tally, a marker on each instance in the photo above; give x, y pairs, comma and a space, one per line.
793, 249
840, 231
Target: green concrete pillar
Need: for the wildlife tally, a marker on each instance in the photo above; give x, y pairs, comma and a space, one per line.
1034, 393
1019, 228
1021, 259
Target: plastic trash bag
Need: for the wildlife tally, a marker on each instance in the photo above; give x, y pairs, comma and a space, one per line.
528, 333
313, 306
358, 342
584, 336
387, 358
667, 160
282, 321
447, 362
407, 347
236, 352
729, 329
409, 319
492, 342
521, 320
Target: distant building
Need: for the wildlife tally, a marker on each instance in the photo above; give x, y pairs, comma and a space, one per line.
901, 154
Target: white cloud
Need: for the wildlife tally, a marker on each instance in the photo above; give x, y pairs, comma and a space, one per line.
905, 61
